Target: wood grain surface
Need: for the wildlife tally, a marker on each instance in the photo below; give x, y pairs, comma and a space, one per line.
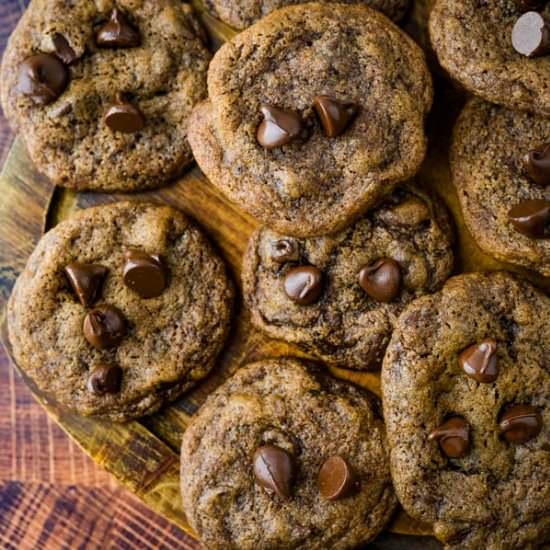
92, 512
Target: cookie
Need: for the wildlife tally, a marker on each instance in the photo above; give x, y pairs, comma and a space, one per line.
102, 93
500, 163
338, 296
283, 456
314, 114
466, 392
488, 48
243, 13
120, 309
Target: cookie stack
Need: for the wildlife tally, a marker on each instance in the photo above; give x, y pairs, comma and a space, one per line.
312, 121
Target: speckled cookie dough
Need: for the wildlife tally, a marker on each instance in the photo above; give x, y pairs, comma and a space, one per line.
242, 13
101, 92
314, 114
500, 163
120, 309
339, 296
284, 456
466, 392
473, 41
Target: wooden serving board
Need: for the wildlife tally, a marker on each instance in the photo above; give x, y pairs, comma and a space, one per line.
144, 455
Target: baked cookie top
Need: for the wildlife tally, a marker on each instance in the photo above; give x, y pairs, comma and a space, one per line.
284, 456
101, 92
120, 308
466, 392
242, 13
339, 296
474, 43
314, 114
500, 163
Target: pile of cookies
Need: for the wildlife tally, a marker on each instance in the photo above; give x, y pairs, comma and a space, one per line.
312, 121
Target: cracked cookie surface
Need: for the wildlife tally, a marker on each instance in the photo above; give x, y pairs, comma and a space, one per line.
496, 495
161, 73
488, 171
314, 184
169, 341
310, 417
473, 42
346, 326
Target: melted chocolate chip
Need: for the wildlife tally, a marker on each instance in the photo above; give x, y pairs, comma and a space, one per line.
104, 327
105, 379
274, 470
453, 437
284, 250
381, 280
124, 117
520, 424
531, 35
63, 49
86, 281
335, 116
280, 126
144, 273
537, 165
304, 284
336, 479
532, 218
480, 361
43, 78
117, 33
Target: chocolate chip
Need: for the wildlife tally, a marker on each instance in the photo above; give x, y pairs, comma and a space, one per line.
280, 126
304, 284
532, 218
105, 379
274, 469
453, 437
124, 117
336, 479
144, 273
104, 327
86, 281
117, 33
480, 361
520, 424
537, 165
527, 5
335, 116
381, 280
43, 78
531, 35
63, 49
284, 250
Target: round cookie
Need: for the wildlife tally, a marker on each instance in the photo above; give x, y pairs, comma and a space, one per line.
243, 13
314, 114
466, 392
494, 179
473, 41
284, 456
365, 275
102, 94
120, 309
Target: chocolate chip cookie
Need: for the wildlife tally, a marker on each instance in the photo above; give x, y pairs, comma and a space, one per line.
314, 114
284, 456
101, 92
242, 13
496, 49
466, 392
501, 169
120, 309
338, 296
